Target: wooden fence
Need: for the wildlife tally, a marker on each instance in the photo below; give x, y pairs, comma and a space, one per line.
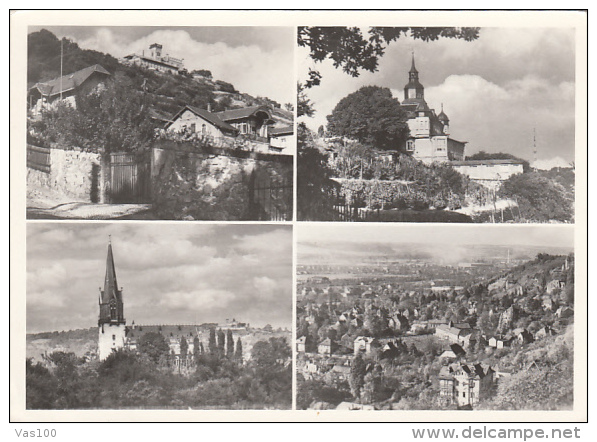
38, 158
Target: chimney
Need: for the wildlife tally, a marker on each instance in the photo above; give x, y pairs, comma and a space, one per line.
208, 107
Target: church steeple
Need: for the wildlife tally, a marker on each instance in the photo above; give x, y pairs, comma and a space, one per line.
414, 92
111, 305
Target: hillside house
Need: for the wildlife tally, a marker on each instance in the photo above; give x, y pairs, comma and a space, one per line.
555, 284
522, 335
464, 384
202, 122
365, 344
460, 334
499, 342
326, 347
46, 95
251, 121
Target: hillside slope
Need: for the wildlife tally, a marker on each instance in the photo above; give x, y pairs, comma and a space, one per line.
165, 93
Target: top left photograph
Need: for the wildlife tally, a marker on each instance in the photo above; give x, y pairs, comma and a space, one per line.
160, 123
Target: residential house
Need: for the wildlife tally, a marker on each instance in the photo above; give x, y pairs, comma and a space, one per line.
522, 335
326, 347
365, 344
201, 123
464, 384
46, 95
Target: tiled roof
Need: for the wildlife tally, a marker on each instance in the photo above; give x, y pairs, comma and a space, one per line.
236, 114
70, 81
284, 130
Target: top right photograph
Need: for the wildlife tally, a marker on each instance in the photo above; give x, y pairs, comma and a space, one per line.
436, 124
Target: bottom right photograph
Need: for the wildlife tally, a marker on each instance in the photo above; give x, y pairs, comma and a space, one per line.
435, 317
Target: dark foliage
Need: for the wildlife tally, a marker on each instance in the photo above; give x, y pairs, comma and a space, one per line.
372, 116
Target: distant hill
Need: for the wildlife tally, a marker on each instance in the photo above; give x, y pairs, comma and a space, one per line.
83, 342
166, 93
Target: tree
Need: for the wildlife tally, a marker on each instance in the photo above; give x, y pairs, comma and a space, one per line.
184, 346
221, 343
352, 52
239, 350
370, 115
315, 188
358, 369
212, 344
154, 346
196, 348
229, 344
114, 118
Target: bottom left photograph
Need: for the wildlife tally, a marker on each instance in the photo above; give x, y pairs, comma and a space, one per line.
158, 316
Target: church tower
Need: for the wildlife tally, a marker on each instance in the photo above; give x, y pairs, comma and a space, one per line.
111, 323
414, 92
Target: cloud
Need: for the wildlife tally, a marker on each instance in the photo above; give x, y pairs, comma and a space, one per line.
265, 287
196, 299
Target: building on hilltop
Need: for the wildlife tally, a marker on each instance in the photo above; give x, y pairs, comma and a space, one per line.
429, 140
111, 323
46, 95
154, 60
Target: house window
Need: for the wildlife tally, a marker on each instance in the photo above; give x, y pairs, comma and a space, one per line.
410, 145
203, 129
193, 127
113, 337
464, 394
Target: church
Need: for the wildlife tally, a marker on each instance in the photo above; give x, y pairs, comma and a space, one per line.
429, 140
114, 334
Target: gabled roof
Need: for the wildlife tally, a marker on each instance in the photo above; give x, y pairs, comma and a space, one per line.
245, 112
69, 82
206, 115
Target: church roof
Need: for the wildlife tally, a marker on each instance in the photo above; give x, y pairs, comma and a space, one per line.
413, 69
110, 283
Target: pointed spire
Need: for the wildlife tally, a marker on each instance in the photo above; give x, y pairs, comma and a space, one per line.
413, 69
110, 282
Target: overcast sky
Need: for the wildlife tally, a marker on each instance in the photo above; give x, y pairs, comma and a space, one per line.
393, 234
495, 90
256, 60
171, 274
